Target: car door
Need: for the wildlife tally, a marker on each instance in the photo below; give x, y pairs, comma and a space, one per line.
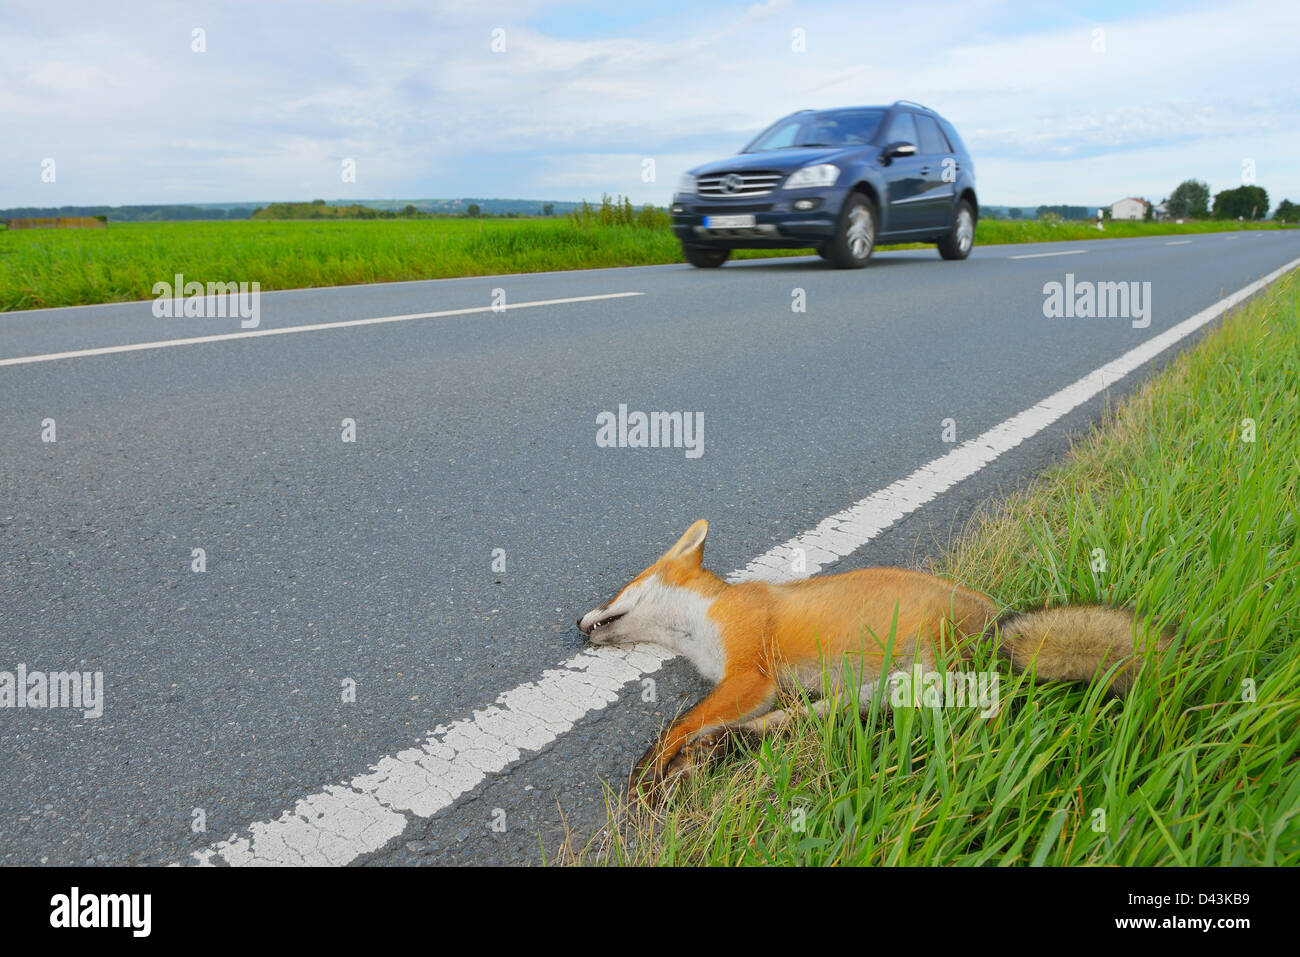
934, 208
903, 178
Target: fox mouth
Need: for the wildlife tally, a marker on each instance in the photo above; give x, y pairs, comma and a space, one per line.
596, 626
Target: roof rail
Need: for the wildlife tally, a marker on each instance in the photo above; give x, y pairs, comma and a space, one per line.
910, 103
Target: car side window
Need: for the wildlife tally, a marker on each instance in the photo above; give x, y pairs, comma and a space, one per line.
902, 127
954, 141
932, 140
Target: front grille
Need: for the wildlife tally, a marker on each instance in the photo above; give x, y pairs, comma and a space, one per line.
742, 184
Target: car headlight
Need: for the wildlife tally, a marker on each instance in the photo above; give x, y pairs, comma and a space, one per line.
686, 184
823, 174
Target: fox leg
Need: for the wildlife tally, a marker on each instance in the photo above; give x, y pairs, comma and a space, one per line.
779, 717
715, 738
882, 688
737, 698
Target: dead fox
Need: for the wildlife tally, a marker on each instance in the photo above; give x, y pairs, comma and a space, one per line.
756, 640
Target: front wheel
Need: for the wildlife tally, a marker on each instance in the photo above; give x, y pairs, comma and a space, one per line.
855, 236
706, 257
957, 244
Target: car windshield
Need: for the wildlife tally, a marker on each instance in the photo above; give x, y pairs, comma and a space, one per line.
839, 128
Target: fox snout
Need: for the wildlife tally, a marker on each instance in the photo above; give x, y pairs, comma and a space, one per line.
592, 624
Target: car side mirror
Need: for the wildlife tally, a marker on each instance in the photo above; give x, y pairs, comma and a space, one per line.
898, 148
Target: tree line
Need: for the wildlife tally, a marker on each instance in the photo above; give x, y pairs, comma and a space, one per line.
1191, 200
131, 214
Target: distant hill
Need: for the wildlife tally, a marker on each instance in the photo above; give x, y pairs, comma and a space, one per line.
137, 214
244, 210
1033, 212
491, 207
357, 209
1004, 212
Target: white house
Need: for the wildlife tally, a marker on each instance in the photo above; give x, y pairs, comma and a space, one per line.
1130, 208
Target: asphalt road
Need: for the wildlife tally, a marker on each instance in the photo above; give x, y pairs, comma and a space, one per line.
372, 561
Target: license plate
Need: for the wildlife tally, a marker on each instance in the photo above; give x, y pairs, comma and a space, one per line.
728, 222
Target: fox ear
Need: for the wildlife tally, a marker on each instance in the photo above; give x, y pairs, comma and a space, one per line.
691, 544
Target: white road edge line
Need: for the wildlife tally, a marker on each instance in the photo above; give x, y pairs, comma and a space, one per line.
342, 822
1068, 252
314, 327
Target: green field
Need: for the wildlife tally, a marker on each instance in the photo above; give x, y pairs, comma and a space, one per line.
42, 268
1200, 525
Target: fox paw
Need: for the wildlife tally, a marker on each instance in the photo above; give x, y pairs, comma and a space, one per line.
658, 773
647, 779
705, 743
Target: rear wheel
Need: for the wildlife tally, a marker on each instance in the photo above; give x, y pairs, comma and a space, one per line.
957, 244
706, 257
855, 236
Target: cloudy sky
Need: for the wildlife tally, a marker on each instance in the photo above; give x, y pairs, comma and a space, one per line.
1059, 102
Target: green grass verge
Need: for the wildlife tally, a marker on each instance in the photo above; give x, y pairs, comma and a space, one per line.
41, 268
1200, 530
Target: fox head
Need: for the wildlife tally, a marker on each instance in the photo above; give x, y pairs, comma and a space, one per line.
665, 604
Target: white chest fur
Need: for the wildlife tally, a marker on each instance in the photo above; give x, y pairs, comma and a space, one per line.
681, 623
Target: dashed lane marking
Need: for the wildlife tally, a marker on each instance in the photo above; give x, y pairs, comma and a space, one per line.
314, 327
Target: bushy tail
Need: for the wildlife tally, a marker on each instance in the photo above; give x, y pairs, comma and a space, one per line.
1079, 643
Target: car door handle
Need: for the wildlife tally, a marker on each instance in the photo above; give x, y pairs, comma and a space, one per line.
925, 169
